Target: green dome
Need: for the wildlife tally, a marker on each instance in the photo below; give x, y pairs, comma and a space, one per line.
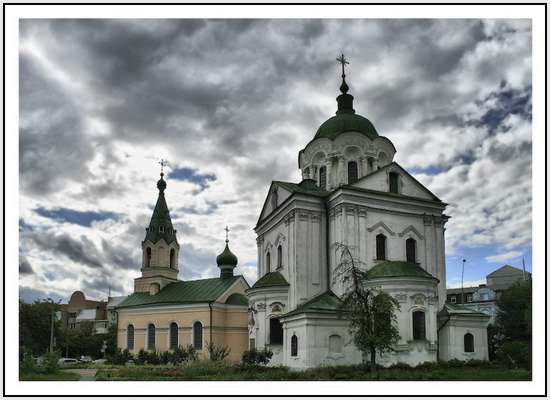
226, 257
341, 123
345, 120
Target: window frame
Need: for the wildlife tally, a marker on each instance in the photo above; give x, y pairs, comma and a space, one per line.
279, 256
418, 331
151, 338
196, 333
276, 339
381, 248
268, 262
351, 164
171, 337
469, 345
409, 248
294, 345
393, 184
323, 177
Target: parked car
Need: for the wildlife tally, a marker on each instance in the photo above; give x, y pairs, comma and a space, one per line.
85, 359
65, 362
100, 361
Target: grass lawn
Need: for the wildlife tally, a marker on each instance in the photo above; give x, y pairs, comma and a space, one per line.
205, 370
54, 376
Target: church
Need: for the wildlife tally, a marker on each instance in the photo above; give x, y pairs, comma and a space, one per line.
164, 312
353, 193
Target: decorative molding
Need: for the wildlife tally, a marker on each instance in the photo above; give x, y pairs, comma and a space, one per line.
381, 225
261, 306
280, 238
428, 219
411, 228
401, 297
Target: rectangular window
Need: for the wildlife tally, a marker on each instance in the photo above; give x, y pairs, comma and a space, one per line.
275, 331
394, 182
252, 344
453, 299
323, 177
469, 298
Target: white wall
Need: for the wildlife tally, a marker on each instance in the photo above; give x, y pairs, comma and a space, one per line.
451, 339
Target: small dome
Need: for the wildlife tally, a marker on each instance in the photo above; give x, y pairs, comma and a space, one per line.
227, 258
161, 184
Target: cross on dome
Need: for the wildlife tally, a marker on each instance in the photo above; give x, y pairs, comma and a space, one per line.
226, 234
344, 86
162, 163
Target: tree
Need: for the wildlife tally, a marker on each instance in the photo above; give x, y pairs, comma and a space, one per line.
371, 313
512, 332
35, 325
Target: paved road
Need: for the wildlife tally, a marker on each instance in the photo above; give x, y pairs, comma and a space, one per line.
86, 374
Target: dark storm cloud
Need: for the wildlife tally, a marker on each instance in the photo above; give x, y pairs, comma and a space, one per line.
99, 287
25, 267
83, 251
120, 256
83, 218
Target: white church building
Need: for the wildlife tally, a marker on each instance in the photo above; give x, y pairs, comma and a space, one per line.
353, 193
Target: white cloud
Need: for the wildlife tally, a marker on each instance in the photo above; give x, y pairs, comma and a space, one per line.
503, 257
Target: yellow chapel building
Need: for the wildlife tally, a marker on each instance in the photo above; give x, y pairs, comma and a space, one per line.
165, 312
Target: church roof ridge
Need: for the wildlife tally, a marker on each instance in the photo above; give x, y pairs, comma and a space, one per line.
326, 302
394, 269
273, 278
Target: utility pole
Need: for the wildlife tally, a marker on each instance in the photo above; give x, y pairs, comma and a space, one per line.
524, 275
462, 283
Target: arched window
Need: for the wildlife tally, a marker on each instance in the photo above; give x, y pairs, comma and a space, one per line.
268, 262
394, 187
275, 331
468, 343
294, 346
419, 325
172, 258
173, 335
148, 257
335, 344
197, 335
161, 229
151, 337
323, 177
130, 337
380, 247
352, 172
279, 256
410, 247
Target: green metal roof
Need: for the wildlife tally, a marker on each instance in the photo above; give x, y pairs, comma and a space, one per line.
183, 292
307, 186
453, 309
237, 299
389, 269
270, 279
326, 302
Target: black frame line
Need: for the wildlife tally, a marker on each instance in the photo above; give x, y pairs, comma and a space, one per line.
4, 6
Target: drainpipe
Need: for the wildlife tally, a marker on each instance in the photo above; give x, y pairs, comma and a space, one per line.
210, 307
327, 246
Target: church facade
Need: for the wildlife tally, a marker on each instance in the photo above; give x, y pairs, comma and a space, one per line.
354, 194
165, 312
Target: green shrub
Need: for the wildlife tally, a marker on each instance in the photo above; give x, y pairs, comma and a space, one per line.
120, 357
153, 358
141, 357
256, 357
28, 364
218, 353
182, 355
515, 354
50, 362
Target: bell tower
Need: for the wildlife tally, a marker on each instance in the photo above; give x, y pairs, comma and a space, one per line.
160, 247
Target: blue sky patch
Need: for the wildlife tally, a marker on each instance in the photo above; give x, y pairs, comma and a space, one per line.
83, 218
192, 175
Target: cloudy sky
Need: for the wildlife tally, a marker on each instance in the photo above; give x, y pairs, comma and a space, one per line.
230, 103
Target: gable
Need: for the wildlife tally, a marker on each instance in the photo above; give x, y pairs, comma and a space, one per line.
506, 270
408, 185
276, 192
238, 288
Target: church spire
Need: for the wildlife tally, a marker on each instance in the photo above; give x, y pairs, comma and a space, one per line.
160, 226
345, 100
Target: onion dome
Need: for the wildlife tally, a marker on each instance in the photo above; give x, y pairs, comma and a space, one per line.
226, 261
345, 119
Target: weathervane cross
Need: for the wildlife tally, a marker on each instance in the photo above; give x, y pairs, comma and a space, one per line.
162, 163
342, 60
226, 234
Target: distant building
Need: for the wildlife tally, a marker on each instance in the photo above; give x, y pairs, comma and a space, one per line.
79, 310
483, 298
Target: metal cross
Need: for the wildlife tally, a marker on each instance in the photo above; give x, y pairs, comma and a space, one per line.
162, 163
342, 60
226, 234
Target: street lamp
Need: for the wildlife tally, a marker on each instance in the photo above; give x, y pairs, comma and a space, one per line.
462, 283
